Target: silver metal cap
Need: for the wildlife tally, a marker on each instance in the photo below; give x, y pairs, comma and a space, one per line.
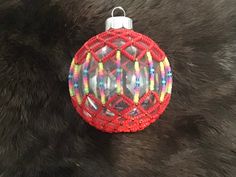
119, 21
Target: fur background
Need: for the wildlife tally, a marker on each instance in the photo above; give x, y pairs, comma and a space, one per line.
41, 135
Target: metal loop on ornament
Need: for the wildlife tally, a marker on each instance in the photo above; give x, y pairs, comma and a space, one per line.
120, 8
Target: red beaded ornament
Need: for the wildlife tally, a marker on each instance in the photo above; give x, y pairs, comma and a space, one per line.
120, 80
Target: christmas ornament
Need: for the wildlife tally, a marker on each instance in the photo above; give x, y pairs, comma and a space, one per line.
120, 80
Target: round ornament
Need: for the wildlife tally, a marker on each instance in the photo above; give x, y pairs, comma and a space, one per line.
120, 80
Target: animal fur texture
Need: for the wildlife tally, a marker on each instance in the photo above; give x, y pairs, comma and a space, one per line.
41, 135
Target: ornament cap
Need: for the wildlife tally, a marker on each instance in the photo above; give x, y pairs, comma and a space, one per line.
119, 21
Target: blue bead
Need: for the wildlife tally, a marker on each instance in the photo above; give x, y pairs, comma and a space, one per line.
169, 74
152, 71
85, 71
163, 82
76, 85
70, 76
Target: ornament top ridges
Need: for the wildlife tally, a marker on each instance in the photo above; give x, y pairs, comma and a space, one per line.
117, 22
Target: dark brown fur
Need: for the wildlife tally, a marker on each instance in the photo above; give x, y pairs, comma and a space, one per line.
41, 135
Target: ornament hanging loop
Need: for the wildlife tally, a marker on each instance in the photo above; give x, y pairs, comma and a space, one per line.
120, 8
118, 22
